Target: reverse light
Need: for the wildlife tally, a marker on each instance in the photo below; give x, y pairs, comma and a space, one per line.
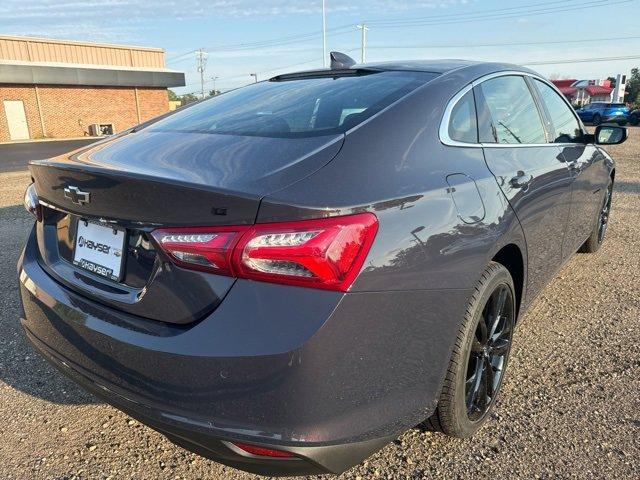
325, 253
31, 202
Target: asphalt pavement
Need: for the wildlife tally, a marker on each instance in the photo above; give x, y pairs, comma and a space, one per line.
14, 157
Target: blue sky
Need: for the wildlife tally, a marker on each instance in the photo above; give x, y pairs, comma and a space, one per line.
263, 36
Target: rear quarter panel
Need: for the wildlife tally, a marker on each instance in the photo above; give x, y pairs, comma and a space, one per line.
396, 327
395, 166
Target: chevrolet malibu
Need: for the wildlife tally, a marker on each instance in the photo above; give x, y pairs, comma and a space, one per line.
286, 277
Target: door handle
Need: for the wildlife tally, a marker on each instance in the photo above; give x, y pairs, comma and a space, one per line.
521, 180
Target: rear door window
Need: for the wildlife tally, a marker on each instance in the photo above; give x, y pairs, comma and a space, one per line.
509, 114
564, 123
297, 107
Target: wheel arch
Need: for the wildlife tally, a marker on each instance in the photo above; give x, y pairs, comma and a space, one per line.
511, 257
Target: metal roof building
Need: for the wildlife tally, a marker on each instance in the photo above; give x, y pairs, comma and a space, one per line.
59, 88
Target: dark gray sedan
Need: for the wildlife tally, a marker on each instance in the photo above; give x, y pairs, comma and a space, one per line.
287, 276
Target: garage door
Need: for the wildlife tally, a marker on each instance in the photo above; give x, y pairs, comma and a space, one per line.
16, 119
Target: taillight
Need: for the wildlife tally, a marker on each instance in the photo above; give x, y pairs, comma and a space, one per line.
31, 202
200, 248
324, 253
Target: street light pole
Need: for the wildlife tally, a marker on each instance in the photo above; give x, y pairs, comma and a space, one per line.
255, 77
324, 36
363, 40
214, 84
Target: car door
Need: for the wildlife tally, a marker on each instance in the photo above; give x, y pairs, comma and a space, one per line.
586, 164
531, 172
586, 114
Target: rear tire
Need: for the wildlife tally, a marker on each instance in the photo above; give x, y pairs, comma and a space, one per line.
634, 119
596, 239
480, 356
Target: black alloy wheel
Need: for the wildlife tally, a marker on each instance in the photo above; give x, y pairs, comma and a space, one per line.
480, 356
489, 352
597, 119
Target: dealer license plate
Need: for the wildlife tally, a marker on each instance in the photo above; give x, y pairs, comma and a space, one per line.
99, 249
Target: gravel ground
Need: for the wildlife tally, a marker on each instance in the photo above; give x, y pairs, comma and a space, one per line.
570, 406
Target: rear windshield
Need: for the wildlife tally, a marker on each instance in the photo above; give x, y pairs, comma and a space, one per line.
300, 107
617, 105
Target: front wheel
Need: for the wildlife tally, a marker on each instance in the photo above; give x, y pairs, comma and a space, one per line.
595, 240
480, 355
597, 119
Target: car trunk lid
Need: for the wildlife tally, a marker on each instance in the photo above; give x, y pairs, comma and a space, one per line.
136, 183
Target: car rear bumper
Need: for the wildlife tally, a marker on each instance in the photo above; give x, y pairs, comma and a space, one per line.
331, 377
209, 442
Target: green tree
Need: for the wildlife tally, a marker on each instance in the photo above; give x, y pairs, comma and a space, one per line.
214, 93
188, 98
173, 96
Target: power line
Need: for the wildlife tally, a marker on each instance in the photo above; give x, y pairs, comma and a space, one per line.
509, 44
267, 43
182, 55
445, 16
441, 19
584, 60
264, 72
382, 47
546, 62
491, 16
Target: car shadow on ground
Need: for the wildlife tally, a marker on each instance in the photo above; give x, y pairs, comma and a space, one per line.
21, 367
624, 186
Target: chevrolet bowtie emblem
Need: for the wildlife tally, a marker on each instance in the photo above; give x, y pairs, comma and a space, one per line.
77, 196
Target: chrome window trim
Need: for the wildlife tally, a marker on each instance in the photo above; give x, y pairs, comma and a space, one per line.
446, 118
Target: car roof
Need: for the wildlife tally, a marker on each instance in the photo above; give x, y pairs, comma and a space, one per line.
471, 68
433, 66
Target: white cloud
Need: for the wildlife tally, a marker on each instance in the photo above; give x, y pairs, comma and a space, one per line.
125, 20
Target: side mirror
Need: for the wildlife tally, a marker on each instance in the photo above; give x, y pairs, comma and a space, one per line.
610, 134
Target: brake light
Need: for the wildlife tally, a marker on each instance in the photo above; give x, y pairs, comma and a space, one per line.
262, 451
325, 253
32, 203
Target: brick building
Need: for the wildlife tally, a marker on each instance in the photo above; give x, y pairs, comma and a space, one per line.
62, 89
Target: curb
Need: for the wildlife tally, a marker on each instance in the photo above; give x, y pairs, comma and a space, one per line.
44, 140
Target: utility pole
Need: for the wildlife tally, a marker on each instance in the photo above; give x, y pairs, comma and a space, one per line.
364, 29
255, 77
201, 62
214, 85
324, 36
